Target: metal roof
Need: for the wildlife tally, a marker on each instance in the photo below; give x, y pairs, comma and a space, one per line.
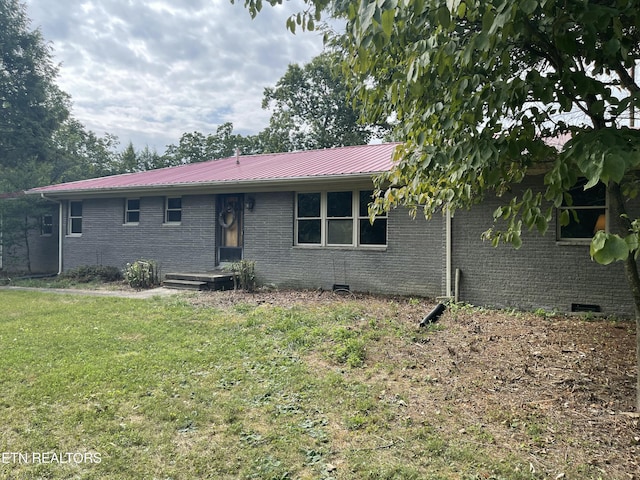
364, 160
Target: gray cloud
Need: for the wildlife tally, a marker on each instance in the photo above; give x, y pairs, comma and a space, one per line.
148, 71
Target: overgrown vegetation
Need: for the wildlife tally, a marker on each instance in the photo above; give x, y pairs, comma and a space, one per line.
94, 273
142, 274
244, 275
228, 385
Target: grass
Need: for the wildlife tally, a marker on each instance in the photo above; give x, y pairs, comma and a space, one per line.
163, 389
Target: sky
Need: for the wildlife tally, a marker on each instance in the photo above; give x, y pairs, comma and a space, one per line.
148, 71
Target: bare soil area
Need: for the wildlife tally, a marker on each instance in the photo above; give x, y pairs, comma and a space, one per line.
558, 390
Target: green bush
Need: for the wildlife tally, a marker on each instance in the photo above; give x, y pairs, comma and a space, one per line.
94, 273
245, 276
142, 274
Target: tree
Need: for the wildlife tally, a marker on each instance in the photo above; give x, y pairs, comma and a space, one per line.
31, 105
196, 147
311, 109
77, 153
480, 87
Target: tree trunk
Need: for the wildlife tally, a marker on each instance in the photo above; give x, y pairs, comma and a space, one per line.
25, 233
621, 225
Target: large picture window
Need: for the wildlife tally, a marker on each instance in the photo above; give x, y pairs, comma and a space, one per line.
584, 213
74, 225
338, 219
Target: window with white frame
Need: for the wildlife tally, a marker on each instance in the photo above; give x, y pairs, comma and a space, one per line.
337, 219
173, 210
132, 210
583, 213
74, 224
46, 225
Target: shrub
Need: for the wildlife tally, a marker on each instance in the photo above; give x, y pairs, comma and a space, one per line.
94, 273
142, 274
245, 276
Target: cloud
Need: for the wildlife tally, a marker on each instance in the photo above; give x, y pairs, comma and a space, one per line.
148, 71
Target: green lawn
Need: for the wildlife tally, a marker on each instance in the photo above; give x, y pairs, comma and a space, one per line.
164, 389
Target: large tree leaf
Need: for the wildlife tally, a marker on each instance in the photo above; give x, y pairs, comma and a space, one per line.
607, 248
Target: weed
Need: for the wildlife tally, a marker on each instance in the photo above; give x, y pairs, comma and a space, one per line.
142, 274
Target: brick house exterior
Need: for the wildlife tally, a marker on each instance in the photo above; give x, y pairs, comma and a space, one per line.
299, 216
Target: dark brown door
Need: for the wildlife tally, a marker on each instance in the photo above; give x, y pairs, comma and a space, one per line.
230, 228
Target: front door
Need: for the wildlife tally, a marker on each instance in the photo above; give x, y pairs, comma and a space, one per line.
230, 228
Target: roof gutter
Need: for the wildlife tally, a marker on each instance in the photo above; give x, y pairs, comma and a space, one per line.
230, 185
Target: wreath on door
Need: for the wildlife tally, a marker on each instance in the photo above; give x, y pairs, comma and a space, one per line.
224, 220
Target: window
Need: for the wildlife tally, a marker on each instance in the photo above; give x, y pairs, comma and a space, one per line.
132, 210
74, 225
584, 214
46, 225
370, 233
173, 211
338, 219
309, 221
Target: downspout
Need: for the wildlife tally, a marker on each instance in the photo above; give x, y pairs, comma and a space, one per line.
448, 252
59, 202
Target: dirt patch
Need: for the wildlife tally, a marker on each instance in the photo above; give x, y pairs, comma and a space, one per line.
557, 390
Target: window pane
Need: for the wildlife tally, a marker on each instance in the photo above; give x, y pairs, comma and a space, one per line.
308, 205
375, 234
309, 231
46, 225
174, 215
595, 196
340, 232
585, 226
365, 200
339, 204
133, 217
76, 209
174, 203
76, 225
133, 204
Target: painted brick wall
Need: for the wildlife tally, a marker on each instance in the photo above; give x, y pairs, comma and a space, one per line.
410, 265
541, 274
106, 240
43, 250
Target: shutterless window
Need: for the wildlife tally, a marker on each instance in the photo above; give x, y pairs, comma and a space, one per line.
370, 233
338, 219
132, 210
173, 213
583, 213
75, 218
46, 225
309, 219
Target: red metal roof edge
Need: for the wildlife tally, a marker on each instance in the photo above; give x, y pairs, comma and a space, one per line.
301, 165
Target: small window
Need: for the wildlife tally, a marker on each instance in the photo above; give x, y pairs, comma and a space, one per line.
583, 212
46, 225
309, 222
371, 233
339, 218
75, 218
132, 210
173, 212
